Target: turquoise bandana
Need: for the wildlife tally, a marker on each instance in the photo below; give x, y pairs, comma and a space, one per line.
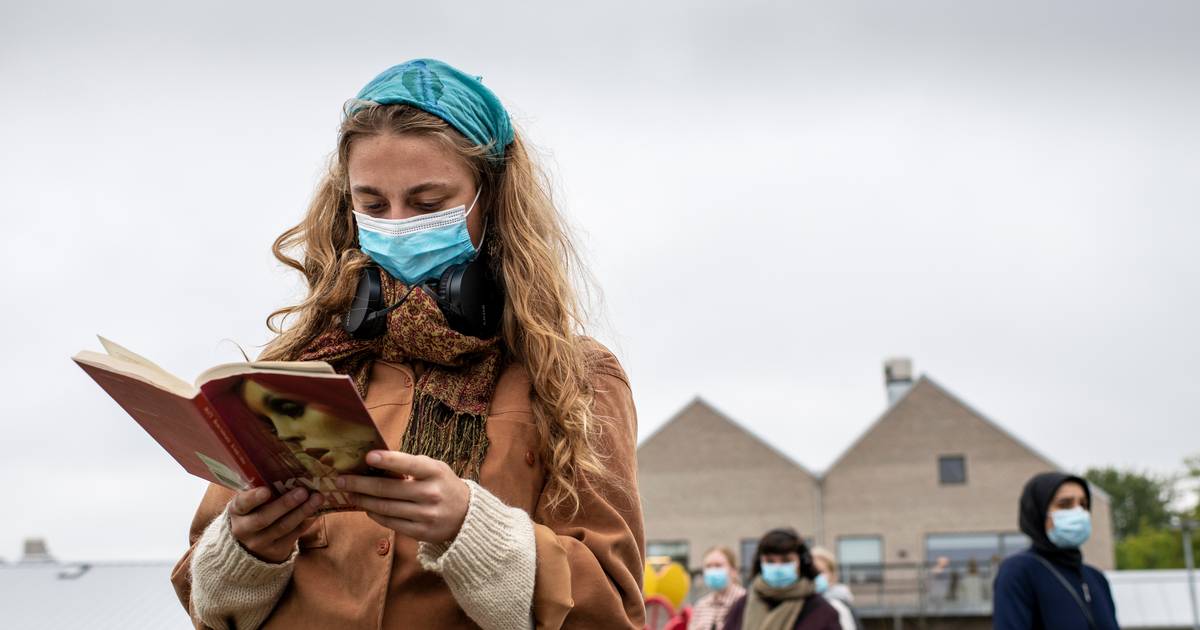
446, 92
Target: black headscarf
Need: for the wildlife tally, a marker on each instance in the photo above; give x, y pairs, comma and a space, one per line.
1035, 504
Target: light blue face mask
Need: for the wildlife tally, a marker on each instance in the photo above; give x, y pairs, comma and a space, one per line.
780, 574
716, 578
1071, 528
418, 248
821, 584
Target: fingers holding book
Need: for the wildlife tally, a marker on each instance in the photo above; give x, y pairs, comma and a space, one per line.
422, 499
269, 529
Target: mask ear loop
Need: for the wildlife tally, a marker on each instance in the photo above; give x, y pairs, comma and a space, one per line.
473, 202
483, 235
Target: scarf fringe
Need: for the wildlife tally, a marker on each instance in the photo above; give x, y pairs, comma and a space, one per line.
457, 438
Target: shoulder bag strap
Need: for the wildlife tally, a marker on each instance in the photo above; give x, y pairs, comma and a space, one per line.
1087, 612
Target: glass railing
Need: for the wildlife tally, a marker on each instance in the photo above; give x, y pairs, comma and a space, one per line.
908, 589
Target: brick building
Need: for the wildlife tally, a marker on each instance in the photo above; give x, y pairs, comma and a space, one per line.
931, 478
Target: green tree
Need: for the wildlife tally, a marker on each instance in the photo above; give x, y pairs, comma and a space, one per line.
1139, 500
1154, 549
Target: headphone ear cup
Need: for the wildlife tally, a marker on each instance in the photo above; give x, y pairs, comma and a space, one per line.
444, 284
362, 320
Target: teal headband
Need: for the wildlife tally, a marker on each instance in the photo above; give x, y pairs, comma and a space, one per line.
446, 92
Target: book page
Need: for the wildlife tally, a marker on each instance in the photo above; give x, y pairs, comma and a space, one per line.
141, 370
314, 368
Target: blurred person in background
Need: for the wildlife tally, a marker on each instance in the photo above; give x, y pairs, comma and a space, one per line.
1048, 587
837, 594
722, 579
782, 594
942, 582
972, 587
510, 493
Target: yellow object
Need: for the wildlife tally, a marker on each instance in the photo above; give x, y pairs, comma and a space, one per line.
670, 581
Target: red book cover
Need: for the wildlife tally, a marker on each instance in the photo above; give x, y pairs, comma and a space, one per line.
278, 424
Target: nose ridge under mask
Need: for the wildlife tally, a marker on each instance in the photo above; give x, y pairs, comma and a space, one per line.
780, 575
421, 247
1071, 528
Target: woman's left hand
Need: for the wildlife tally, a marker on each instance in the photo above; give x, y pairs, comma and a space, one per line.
423, 499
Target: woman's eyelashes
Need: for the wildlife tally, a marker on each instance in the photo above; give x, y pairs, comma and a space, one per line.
428, 206
376, 208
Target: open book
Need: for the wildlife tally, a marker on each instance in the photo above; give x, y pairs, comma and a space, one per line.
278, 424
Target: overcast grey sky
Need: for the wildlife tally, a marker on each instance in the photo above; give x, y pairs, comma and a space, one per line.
772, 197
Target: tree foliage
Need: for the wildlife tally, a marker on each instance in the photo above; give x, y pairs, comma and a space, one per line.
1142, 515
1139, 500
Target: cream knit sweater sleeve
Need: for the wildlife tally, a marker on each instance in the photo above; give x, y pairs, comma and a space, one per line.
490, 566
230, 587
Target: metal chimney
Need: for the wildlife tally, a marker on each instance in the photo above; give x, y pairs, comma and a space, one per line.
36, 552
898, 377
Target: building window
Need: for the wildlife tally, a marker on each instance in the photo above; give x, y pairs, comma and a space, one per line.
666, 551
861, 559
1013, 543
952, 469
748, 547
973, 552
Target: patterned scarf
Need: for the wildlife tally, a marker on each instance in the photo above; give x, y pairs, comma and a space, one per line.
788, 601
452, 394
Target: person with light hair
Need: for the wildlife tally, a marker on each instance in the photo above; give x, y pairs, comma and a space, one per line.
837, 594
725, 587
438, 276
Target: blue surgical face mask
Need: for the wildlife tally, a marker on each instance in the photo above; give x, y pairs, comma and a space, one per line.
780, 574
821, 584
418, 248
716, 578
1071, 528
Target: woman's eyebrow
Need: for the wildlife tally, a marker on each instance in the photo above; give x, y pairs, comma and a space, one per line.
428, 186
366, 190
419, 188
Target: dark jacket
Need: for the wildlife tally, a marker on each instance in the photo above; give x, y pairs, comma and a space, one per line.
817, 614
1029, 597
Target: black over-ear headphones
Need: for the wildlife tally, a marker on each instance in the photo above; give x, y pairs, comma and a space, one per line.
467, 294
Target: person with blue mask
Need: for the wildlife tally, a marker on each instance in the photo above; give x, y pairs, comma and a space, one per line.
724, 585
782, 593
838, 595
510, 494
1048, 587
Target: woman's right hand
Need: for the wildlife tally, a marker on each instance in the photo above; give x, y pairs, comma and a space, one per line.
270, 531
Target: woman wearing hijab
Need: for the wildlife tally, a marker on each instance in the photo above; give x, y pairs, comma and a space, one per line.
510, 499
1048, 586
782, 594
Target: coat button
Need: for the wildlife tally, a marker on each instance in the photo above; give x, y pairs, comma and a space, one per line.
529, 457
383, 547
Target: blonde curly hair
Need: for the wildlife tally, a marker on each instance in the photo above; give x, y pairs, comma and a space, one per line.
533, 255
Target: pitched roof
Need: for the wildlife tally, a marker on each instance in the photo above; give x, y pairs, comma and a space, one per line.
943, 391
698, 410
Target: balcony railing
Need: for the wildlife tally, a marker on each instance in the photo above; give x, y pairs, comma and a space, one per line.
914, 589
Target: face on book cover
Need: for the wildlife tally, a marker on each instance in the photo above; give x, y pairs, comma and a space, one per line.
321, 440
